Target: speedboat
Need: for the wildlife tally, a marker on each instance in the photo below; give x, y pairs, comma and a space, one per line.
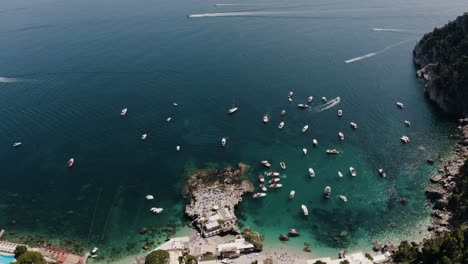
332, 151
273, 180
304, 129
281, 125
178, 148
266, 163
223, 142
290, 94
156, 210
382, 173
341, 135
17, 144
266, 119
291, 194
407, 123
259, 195
304, 210
303, 106
309, 100
353, 125
304, 150
272, 173
94, 250
143, 137
340, 174
232, 110
276, 185
71, 162
327, 192
261, 178
342, 197
283, 165
324, 99
149, 197
263, 187
124, 111
352, 171
340, 113
401, 105
283, 112
168, 119
311, 172
405, 139
314, 142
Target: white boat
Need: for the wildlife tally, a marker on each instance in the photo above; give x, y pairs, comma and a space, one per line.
332, 151
340, 113
352, 171
311, 172
174, 104
168, 119
304, 129
273, 180
303, 106
353, 125
143, 137
261, 178
94, 256
304, 150
290, 94
272, 174
259, 195
314, 142
341, 135
382, 173
291, 194
71, 162
281, 125
290, 99
340, 174
327, 192
401, 105
149, 197
276, 185
178, 148
405, 139
156, 210
94, 250
309, 100
124, 111
266, 163
304, 210
17, 144
283, 165
223, 142
263, 187
283, 112
342, 197
266, 119
407, 123
232, 110
324, 99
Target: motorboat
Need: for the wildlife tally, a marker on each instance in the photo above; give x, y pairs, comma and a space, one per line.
266, 119
399, 104
353, 125
17, 144
341, 135
168, 119
94, 250
340, 174
309, 99
149, 197
143, 137
327, 192
382, 173
352, 171
314, 142
340, 113
272, 174
290, 94
304, 210
124, 111
223, 142
304, 129
273, 180
283, 112
342, 197
303, 106
71, 162
93, 256
174, 104
311, 172
261, 178
332, 151
266, 163
156, 210
281, 125
178, 148
291, 194
290, 99
304, 150
407, 123
283, 165
259, 195
324, 99
405, 139
276, 185
233, 110
263, 187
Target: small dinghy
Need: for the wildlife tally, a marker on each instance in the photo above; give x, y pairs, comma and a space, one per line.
407, 123
283, 165
341, 135
259, 195
290, 94
281, 125
343, 198
94, 250
223, 142
291, 194
353, 125
311, 172
304, 129
290, 99
174, 104
304, 210
340, 174
168, 119
314, 142
332, 151
16, 144
178, 148
123, 112
304, 150
71, 162
233, 110
283, 112
382, 173
405, 139
266, 119
149, 197
156, 210
263, 187
266, 163
309, 99
400, 105
143, 137
324, 99
261, 178
352, 171
273, 180
327, 192
340, 113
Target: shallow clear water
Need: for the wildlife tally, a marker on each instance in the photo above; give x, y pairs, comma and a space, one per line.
6, 259
69, 67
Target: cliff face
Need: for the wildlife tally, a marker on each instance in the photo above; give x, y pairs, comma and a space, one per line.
441, 58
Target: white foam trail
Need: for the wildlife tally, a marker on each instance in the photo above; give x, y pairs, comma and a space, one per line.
7, 80
235, 14
389, 29
328, 105
378, 52
226, 4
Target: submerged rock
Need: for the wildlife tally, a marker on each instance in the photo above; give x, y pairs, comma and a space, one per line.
283, 237
307, 249
143, 230
377, 246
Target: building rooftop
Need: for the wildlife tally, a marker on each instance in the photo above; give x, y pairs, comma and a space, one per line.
238, 244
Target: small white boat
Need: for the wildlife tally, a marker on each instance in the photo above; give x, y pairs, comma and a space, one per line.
149, 197
156, 210
272, 173
266, 163
332, 151
290, 99
291, 194
283, 165
342, 197
340, 174
303, 106
266, 119
399, 104
311, 172
341, 135
327, 192
304, 150
314, 142
353, 125
352, 171
283, 112
407, 123
276, 185
273, 180
261, 178
382, 173
405, 139
94, 250
178, 148
281, 125
17, 144
304, 210
71, 162
304, 129
94, 256
290, 94
309, 100
263, 187
223, 142
124, 111
340, 113
168, 119
259, 195
324, 99
143, 137
174, 104
233, 110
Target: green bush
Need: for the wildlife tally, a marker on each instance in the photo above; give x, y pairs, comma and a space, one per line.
344, 262
319, 262
31, 257
157, 257
369, 257
20, 250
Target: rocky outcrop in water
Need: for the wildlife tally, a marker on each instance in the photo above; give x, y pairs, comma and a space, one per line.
441, 58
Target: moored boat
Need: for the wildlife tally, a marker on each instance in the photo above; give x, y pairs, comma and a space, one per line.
94, 250
291, 194
353, 125
263, 187
174, 104
342, 197
309, 99
259, 195
266, 163
276, 185
123, 112
340, 174
156, 210
17, 144
143, 137
283, 112
266, 118
149, 197
304, 210
281, 125
233, 110
352, 171
304, 129
71, 162
178, 148
332, 151
327, 192
340, 113
290, 94
303, 106
405, 139
341, 135
168, 119
382, 173
272, 174
273, 180
324, 99
400, 105
304, 150
290, 99
283, 165
311, 172
314, 142
261, 178
223, 141
407, 123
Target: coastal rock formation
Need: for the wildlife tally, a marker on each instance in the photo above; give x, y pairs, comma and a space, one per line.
441, 58
293, 233
254, 238
283, 237
377, 246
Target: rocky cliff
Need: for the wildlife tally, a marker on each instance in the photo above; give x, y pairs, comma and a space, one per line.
441, 58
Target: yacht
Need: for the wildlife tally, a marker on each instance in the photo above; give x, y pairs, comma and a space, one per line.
143, 137
156, 210
232, 110
223, 142
314, 142
382, 173
309, 100
273, 180
17, 144
407, 123
353, 125
266, 119
303, 106
311, 172
401, 105
283, 112
281, 125
324, 99
342, 197
259, 195
304, 210
327, 192
273, 173
283, 165
340, 113
291, 194
304, 150
405, 139
276, 185
332, 151
261, 178
124, 111
168, 119
352, 171
340, 174
263, 187
290, 94
341, 135
149, 197
304, 129
178, 148
266, 163
71, 162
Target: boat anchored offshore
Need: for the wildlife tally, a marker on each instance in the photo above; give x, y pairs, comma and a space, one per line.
263, 187
324, 99
259, 195
400, 105
223, 142
124, 112
407, 123
353, 125
17, 144
94, 250
304, 129
283, 112
266, 119
168, 119
276, 185
303, 106
283, 165
311, 172
291, 194
290, 94
309, 99
143, 137
332, 151
304, 210
340, 113
342, 197
178, 148
382, 173
340, 174
304, 150
233, 110
281, 125
341, 135
352, 171
405, 139
272, 174
327, 192
261, 178
156, 210
266, 163
314, 142
273, 180
149, 197
71, 162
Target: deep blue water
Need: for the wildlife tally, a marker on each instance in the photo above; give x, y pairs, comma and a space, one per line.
69, 67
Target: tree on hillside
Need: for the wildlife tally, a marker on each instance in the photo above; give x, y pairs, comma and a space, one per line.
31, 257
20, 250
157, 257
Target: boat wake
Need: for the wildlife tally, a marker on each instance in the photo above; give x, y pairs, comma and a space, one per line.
372, 54
389, 29
236, 14
7, 80
226, 4
328, 105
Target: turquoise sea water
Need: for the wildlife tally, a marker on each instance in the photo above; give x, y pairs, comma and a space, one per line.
69, 67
